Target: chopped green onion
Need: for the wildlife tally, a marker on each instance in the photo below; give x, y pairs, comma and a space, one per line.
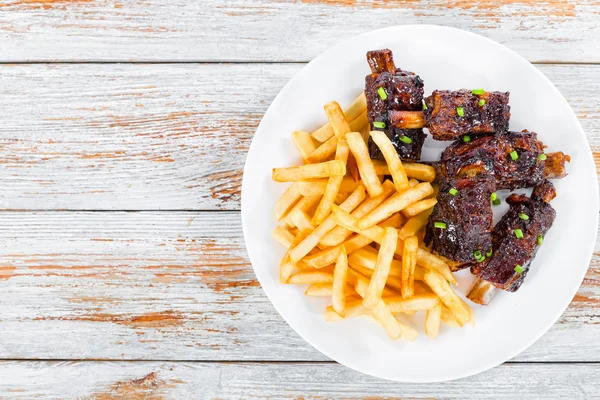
378, 124
524, 217
424, 105
489, 253
481, 102
466, 138
482, 259
460, 111
493, 196
478, 91
496, 202
382, 93
440, 225
406, 139
477, 254
518, 233
518, 269
542, 157
540, 239
453, 192
514, 155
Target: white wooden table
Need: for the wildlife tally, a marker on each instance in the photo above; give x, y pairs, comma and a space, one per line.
124, 128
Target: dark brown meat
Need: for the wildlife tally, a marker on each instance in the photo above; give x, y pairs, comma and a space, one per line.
512, 255
467, 215
451, 114
493, 153
403, 90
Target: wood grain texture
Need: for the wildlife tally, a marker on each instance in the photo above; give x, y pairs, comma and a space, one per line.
174, 286
157, 137
314, 381
268, 30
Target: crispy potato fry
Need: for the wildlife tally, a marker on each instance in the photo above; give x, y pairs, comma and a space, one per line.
301, 220
285, 269
360, 283
367, 259
324, 151
287, 200
392, 282
422, 172
365, 165
398, 304
396, 203
353, 112
394, 328
448, 318
326, 290
409, 262
361, 124
382, 267
310, 277
395, 221
323, 258
305, 204
414, 224
418, 207
317, 186
339, 233
354, 308
413, 182
309, 243
333, 185
310, 171
340, 274
304, 144
438, 284
432, 321
435, 263
393, 161
283, 236
340, 127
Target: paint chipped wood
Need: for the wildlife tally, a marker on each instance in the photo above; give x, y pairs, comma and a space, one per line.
159, 30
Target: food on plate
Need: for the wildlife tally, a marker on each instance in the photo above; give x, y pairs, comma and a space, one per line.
389, 89
452, 114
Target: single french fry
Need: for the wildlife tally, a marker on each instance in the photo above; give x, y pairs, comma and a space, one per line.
360, 124
448, 318
301, 220
324, 151
323, 258
354, 308
353, 112
317, 186
304, 144
392, 282
283, 237
413, 182
414, 224
309, 243
434, 263
396, 203
360, 283
340, 127
395, 221
422, 172
409, 262
333, 185
394, 328
432, 321
438, 284
340, 274
398, 304
339, 233
393, 161
310, 277
367, 259
310, 171
287, 200
418, 207
326, 290
382, 267
305, 204
365, 165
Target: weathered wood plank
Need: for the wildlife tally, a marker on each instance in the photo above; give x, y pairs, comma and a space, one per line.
154, 380
174, 286
151, 137
225, 30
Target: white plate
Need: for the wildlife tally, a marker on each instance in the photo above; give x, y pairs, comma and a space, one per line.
445, 58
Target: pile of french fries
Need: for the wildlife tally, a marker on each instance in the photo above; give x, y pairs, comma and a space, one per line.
357, 237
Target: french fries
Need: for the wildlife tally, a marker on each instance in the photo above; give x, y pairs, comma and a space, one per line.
393, 161
382, 267
305, 204
432, 321
304, 144
422, 172
438, 284
409, 262
414, 224
310, 171
356, 110
333, 185
310, 277
398, 304
317, 186
326, 290
365, 165
287, 200
283, 236
340, 127
340, 274
418, 207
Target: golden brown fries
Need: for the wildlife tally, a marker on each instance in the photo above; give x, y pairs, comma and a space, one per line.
310, 171
326, 290
304, 144
409, 262
393, 161
310, 277
340, 276
382, 267
438, 284
421, 302
364, 163
317, 186
422, 172
305, 204
287, 200
340, 127
432, 321
283, 236
414, 224
333, 185
418, 207
356, 110
448, 318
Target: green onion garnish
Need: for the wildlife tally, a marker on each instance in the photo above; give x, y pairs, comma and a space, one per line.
482, 259
518, 269
440, 225
524, 217
496, 202
453, 192
406, 139
514, 155
466, 138
477, 254
424, 105
378, 124
382, 93
478, 91
481, 102
460, 111
489, 253
518, 233
493, 196
540, 239
542, 157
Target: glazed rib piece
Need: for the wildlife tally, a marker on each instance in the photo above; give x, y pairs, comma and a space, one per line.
493, 153
516, 240
389, 88
461, 223
451, 114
